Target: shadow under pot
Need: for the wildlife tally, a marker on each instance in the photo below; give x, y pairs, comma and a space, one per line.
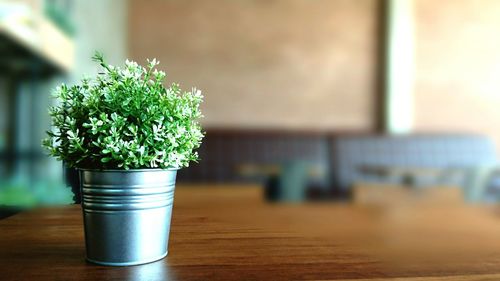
72, 178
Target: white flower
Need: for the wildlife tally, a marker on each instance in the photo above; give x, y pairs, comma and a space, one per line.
153, 62
197, 93
141, 150
131, 64
181, 131
159, 74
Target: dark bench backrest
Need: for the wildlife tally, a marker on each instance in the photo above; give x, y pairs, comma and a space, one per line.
223, 151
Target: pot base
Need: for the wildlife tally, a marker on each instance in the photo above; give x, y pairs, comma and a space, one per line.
127, 263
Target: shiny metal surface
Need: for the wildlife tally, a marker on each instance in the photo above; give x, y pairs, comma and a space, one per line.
127, 214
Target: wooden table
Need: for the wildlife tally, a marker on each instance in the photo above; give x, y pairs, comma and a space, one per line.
230, 233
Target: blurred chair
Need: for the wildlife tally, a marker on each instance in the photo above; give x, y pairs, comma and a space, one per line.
290, 184
467, 161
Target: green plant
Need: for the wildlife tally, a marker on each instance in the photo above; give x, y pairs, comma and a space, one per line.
125, 118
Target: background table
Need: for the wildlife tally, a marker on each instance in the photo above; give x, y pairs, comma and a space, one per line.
230, 233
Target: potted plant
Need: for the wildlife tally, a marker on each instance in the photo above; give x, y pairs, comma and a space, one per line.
128, 135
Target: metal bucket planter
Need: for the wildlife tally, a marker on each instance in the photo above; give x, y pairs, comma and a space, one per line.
127, 214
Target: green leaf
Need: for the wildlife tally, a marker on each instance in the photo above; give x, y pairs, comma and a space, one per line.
105, 159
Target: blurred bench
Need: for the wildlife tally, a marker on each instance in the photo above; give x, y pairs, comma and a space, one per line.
339, 160
414, 160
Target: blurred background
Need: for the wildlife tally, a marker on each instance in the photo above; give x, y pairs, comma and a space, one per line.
310, 100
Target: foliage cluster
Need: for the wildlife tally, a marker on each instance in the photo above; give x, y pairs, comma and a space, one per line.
125, 118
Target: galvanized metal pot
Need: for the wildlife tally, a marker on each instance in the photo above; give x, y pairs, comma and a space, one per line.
127, 214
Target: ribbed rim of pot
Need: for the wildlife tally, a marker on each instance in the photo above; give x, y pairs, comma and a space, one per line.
127, 171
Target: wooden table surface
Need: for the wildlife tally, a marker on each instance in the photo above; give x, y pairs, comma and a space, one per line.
230, 233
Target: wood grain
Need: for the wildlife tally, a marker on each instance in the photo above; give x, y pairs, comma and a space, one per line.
230, 233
